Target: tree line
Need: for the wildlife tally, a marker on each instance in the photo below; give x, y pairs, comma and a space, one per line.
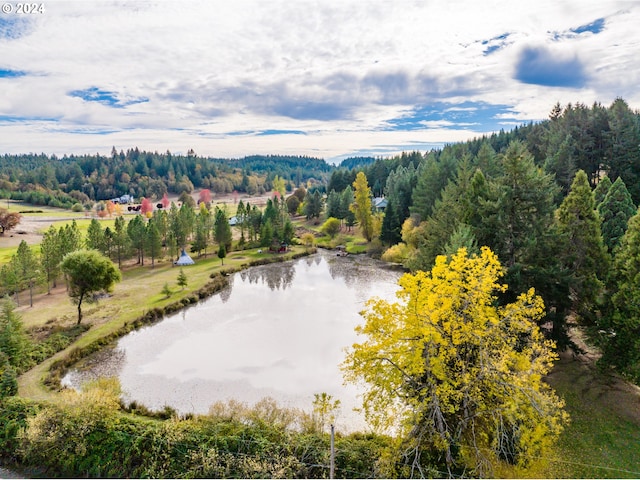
556, 201
61, 182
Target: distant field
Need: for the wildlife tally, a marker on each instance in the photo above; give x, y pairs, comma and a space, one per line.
42, 211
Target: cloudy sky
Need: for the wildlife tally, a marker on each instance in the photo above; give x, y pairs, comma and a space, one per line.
328, 79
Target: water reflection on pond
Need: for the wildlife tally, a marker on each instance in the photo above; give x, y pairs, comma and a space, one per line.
279, 330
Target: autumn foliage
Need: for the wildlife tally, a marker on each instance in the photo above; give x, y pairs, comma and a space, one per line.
8, 220
459, 377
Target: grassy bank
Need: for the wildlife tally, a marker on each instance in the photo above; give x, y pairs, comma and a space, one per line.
138, 293
603, 438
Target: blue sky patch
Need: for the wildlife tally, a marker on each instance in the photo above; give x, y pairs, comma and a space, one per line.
282, 132
24, 119
494, 44
105, 97
14, 27
594, 27
479, 116
4, 73
539, 66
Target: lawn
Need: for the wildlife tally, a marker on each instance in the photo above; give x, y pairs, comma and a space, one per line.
603, 438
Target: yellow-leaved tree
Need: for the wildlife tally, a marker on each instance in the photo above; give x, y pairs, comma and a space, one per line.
457, 377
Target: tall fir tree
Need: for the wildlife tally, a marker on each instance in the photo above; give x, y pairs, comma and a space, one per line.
622, 324
601, 190
615, 211
583, 251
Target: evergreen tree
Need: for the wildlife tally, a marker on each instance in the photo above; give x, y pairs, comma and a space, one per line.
623, 138
182, 279
153, 241
27, 268
332, 209
187, 219
312, 205
70, 238
50, 256
432, 176
601, 190
451, 210
615, 211
562, 164
9, 281
346, 200
222, 229
95, 236
583, 251
390, 232
222, 253
177, 229
8, 378
523, 205
622, 325
203, 231
120, 239
137, 232
14, 342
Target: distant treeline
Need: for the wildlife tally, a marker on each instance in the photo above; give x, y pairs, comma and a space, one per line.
138, 173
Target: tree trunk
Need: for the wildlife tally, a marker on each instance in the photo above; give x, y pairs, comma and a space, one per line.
80, 308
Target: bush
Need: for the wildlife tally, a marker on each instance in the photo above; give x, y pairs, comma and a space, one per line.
77, 207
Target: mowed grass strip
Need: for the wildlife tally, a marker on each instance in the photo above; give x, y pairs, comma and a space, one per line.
138, 292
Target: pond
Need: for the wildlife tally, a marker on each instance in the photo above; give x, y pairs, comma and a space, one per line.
277, 331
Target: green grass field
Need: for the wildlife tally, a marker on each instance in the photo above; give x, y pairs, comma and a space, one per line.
603, 438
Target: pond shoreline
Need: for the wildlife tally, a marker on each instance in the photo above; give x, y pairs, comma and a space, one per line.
219, 280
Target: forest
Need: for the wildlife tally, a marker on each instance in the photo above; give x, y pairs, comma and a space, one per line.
541, 220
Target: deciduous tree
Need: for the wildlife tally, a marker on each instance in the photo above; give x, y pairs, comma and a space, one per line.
89, 272
459, 377
331, 226
361, 206
8, 220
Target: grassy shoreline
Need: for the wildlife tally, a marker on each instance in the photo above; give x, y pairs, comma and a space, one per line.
131, 306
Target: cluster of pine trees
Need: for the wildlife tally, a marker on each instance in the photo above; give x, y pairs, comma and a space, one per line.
556, 201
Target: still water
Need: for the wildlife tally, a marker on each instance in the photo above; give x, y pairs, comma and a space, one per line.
278, 330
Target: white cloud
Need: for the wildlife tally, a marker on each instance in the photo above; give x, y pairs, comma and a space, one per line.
339, 71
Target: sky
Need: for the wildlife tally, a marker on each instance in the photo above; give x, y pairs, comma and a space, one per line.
327, 79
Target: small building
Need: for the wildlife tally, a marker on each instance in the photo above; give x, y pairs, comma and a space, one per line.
379, 203
123, 200
233, 221
184, 259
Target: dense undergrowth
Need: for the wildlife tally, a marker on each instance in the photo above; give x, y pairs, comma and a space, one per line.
88, 435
